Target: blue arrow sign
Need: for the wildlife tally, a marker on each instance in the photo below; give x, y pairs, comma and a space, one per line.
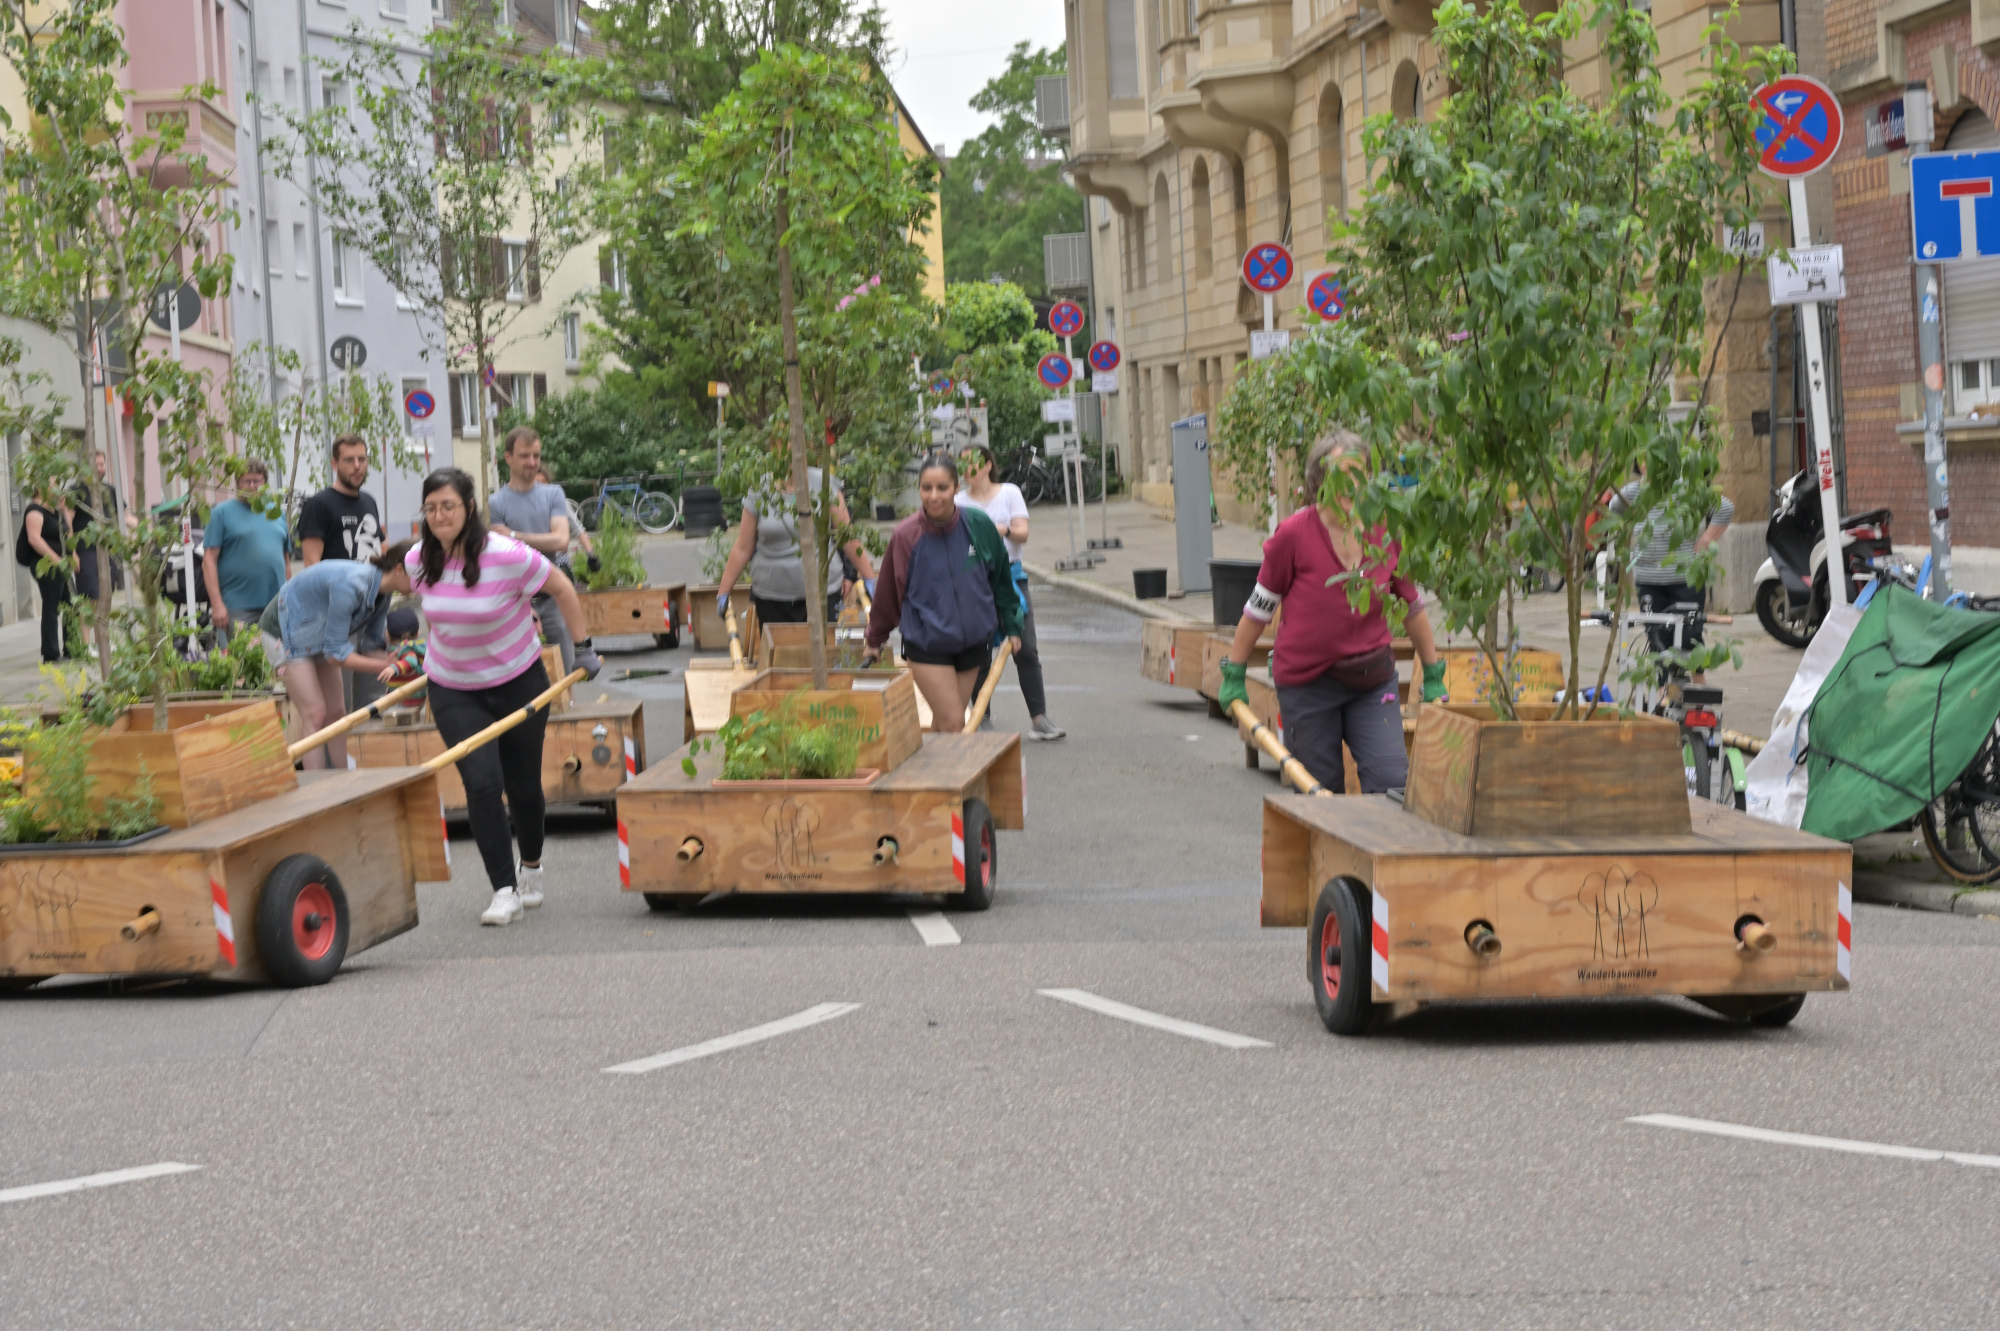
1955, 206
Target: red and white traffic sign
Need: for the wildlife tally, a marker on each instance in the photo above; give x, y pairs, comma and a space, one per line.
1054, 371
1104, 357
419, 403
1065, 318
1327, 297
1801, 129
1267, 268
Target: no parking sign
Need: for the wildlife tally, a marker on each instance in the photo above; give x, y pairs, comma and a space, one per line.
1054, 372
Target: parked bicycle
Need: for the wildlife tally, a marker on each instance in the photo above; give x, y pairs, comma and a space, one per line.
654, 511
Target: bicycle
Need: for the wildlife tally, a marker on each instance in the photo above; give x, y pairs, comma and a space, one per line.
1035, 477
1715, 771
655, 511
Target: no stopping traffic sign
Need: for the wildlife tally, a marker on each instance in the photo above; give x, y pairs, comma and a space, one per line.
1327, 297
1267, 268
1065, 318
1104, 357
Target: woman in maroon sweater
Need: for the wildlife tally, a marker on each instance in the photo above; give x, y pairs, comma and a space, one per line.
1334, 669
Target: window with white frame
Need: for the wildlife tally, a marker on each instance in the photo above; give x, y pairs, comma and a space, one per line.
514, 254
274, 253
301, 256
346, 272
333, 92
572, 340
406, 264
521, 392
470, 395
394, 9
559, 125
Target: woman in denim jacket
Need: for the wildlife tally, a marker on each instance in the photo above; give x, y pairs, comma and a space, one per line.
326, 609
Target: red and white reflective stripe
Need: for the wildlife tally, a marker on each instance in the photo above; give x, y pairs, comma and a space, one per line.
1378, 955
958, 846
1173, 665
631, 759
624, 855
1843, 946
225, 930
444, 830
667, 612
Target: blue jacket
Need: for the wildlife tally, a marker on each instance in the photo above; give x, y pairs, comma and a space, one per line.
330, 605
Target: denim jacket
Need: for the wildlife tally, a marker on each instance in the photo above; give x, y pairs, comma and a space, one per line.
332, 604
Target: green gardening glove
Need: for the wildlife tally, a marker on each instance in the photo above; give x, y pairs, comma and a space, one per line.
1233, 690
1434, 682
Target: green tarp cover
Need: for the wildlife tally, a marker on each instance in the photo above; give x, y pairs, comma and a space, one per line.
1913, 697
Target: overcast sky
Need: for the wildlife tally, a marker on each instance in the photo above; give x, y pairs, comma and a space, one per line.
945, 52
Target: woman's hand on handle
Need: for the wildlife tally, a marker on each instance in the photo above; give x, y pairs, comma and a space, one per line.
586, 659
1014, 644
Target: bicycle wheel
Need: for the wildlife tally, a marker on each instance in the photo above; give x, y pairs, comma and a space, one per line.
588, 512
1033, 485
1949, 835
656, 512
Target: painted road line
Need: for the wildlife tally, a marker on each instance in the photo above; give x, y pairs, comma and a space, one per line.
1139, 1016
1714, 1128
722, 1044
116, 1176
935, 928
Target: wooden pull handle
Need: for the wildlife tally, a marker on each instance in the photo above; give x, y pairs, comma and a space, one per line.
978, 712
1289, 767
690, 850
148, 922
1479, 936
505, 723
1753, 935
887, 850
354, 718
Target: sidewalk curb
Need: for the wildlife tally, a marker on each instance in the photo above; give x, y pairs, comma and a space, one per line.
1882, 889
1108, 595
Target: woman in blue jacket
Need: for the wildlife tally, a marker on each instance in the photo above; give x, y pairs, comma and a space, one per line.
320, 615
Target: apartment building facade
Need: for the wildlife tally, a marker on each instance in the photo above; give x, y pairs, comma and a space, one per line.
1201, 127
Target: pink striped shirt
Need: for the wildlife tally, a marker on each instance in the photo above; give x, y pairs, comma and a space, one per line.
487, 634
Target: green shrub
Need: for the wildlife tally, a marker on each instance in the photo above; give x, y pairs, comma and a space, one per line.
618, 560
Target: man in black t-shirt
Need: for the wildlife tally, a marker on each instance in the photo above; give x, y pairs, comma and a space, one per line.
342, 522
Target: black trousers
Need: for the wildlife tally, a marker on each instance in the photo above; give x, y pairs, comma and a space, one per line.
1027, 663
1319, 715
512, 762
791, 612
55, 599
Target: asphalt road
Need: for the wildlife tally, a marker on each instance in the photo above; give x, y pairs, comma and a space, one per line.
433, 1140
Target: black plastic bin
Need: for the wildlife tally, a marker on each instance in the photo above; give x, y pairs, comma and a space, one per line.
701, 510
1149, 584
1230, 584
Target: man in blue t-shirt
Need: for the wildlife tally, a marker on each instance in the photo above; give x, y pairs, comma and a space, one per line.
245, 555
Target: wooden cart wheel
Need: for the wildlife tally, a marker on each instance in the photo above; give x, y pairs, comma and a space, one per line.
667, 641
664, 901
982, 860
1337, 945
302, 922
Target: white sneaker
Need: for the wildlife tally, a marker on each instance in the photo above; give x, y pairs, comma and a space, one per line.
1043, 728
506, 908
529, 878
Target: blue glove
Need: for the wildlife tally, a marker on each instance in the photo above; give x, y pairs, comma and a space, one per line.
721, 604
869, 583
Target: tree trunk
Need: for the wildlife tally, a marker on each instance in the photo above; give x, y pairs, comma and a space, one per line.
809, 552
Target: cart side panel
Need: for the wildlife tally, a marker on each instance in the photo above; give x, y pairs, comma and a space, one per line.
62, 913
1609, 923
1007, 788
424, 831
1288, 886
630, 610
233, 760
789, 840
375, 873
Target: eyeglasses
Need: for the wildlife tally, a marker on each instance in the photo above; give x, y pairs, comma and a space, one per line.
443, 510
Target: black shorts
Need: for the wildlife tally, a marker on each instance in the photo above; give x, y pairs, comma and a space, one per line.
972, 658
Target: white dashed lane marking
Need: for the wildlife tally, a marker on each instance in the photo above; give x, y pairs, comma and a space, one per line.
1139, 1016
31, 1191
1713, 1128
935, 929
722, 1044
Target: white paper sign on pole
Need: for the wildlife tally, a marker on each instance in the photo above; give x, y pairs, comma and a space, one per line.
1265, 342
1747, 241
1812, 273
1104, 381
1058, 409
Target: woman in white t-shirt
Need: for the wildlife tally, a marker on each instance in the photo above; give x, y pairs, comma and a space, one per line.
1002, 502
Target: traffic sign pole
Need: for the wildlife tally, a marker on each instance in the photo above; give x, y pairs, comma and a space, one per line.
1937, 482
1822, 414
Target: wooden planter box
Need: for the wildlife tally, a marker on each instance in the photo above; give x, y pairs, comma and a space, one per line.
881, 704
216, 756
711, 631
1170, 651
578, 767
659, 611
1609, 777
1468, 675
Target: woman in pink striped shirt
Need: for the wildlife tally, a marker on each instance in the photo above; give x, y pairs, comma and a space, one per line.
485, 663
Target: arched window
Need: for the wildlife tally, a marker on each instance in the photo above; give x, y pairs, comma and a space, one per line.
1406, 93
1239, 207
1204, 221
1163, 250
1332, 153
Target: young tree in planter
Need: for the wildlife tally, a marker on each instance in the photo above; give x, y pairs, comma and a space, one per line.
1533, 280
805, 151
461, 177
96, 219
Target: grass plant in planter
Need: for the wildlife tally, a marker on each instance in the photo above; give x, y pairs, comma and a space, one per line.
785, 744
1536, 302
63, 807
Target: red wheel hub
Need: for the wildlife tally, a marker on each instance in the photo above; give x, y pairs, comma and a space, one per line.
312, 921
1329, 951
986, 855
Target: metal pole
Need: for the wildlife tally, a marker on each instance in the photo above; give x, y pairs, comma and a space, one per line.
1271, 449
1937, 484
1822, 416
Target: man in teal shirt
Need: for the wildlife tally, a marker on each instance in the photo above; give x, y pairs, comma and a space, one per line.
245, 555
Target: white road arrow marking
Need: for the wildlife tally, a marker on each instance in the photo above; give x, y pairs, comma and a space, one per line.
1139, 1016
722, 1044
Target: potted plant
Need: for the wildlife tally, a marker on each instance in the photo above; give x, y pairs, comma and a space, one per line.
1536, 297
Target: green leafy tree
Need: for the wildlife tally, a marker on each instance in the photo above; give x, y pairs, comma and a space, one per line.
991, 346
286, 435
1530, 280
96, 217
462, 176
1005, 190
804, 155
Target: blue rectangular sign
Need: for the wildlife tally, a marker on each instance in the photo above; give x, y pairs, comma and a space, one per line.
1955, 206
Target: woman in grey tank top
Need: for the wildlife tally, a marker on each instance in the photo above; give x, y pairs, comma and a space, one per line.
767, 543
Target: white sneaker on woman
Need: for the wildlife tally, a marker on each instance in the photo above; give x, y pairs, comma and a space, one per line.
529, 889
506, 908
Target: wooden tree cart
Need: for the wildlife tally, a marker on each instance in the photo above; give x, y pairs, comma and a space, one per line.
1552, 860
923, 821
661, 611
590, 751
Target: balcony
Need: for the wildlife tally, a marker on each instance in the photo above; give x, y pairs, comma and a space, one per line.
1052, 105
1243, 80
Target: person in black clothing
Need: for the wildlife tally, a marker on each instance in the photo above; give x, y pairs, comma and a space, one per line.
44, 535
341, 521
85, 547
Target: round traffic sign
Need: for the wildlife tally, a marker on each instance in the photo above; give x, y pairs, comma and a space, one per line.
1053, 371
419, 403
1801, 128
1327, 296
176, 305
1065, 318
1104, 357
348, 353
941, 385
1267, 268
